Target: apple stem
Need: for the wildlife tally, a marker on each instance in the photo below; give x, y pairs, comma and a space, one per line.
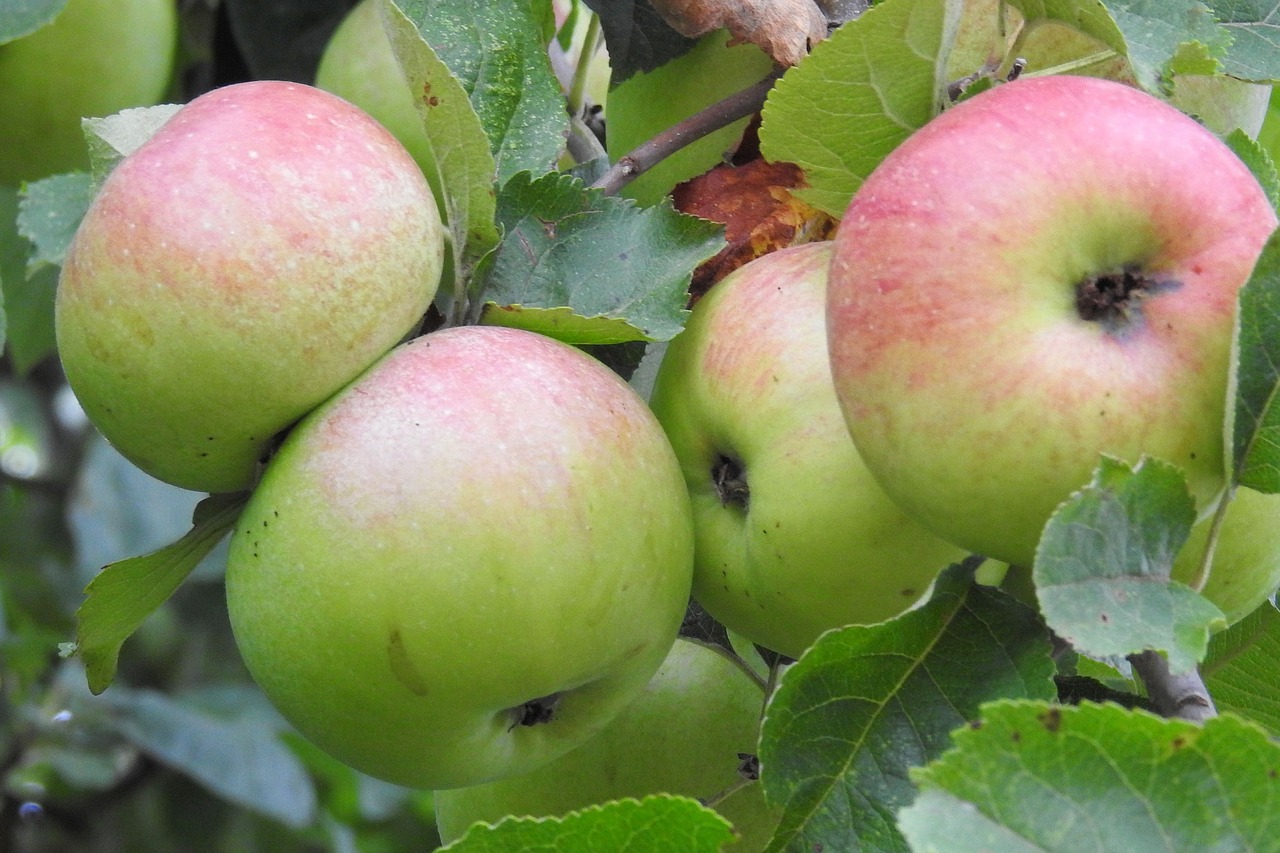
1182, 697
720, 114
745, 780
1215, 527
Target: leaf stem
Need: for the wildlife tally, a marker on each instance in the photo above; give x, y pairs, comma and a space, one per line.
578, 88
1215, 529
1182, 697
720, 114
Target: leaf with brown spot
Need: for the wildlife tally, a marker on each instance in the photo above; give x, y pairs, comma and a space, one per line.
784, 29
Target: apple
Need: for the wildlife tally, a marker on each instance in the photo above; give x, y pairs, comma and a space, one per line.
263, 248
466, 563
1246, 560
684, 735
97, 57
793, 534
359, 64
1043, 274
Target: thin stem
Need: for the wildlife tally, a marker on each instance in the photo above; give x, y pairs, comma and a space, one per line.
1215, 528
720, 114
735, 658
1182, 697
578, 88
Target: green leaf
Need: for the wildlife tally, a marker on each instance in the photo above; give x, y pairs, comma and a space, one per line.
23, 17
588, 268
858, 95
1253, 26
1033, 776
27, 300
866, 703
1255, 421
1259, 161
112, 138
464, 162
1090, 17
1102, 567
656, 824
497, 51
1243, 668
125, 593
1163, 36
49, 213
637, 37
232, 746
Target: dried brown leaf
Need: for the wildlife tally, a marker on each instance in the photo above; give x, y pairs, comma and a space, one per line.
784, 29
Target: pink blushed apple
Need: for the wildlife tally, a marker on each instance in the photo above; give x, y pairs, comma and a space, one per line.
1043, 274
258, 252
467, 562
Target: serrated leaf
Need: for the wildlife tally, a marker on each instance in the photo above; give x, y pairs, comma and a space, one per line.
497, 51
656, 824
112, 138
1103, 563
49, 213
589, 268
1041, 777
1259, 162
125, 593
23, 17
1254, 26
27, 300
637, 37
1255, 421
866, 703
1164, 36
858, 95
1242, 668
464, 162
237, 754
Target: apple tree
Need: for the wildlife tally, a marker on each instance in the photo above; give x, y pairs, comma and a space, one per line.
589, 425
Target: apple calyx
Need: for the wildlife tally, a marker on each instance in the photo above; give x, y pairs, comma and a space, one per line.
1114, 298
535, 711
730, 478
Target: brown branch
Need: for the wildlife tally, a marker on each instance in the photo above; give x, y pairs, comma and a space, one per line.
720, 114
1183, 697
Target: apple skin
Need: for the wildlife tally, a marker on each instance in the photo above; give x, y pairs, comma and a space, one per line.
359, 65
1246, 560
973, 387
96, 58
816, 543
487, 517
263, 248
682, 735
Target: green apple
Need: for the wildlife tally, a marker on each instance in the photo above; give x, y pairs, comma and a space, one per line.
96, 58
1246, 560
466, 563
1043, 274
684, 734
263, 248
359, 64
794, 536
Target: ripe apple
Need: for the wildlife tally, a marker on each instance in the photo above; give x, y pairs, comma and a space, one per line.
794, 536
682, 735
359, 64
96, 58
1246, 560
466, 563
263, 248
1045, 273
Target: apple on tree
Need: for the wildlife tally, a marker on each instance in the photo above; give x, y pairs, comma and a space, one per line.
95, 58
263, 248
466, 563
684, 734
1044, 273
794, 536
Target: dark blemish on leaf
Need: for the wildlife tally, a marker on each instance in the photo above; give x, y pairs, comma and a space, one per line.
975, 724
907, 593
1051, 719
402, 667
1017, 737
1104, 617
1179, 742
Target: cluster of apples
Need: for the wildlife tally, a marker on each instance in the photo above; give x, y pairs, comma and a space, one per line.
467, 554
